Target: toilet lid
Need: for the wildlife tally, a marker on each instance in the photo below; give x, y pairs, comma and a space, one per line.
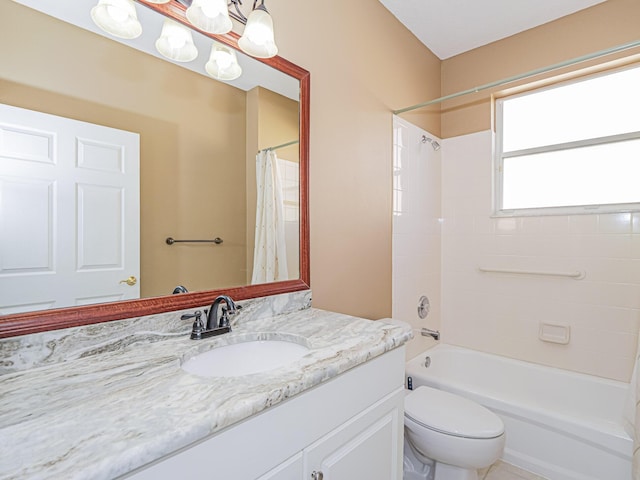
451, 414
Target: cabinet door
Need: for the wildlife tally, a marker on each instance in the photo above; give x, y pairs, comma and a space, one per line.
367, 447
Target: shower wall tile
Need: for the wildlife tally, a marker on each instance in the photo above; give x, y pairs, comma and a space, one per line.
417, 232
583, 224
501, 313
619, 223
635, 223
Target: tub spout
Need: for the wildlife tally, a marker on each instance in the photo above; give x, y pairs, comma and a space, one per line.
427, 332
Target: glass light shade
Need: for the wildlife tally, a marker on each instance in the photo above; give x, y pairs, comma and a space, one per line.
223, 63
176, 42
257, 39
210, 16
117, 17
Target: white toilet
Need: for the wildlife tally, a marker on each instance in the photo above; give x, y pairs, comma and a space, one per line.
448, 437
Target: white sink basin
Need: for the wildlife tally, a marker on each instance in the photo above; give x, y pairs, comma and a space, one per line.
244, 358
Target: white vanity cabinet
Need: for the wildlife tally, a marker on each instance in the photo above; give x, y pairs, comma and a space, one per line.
346, 428
368, 447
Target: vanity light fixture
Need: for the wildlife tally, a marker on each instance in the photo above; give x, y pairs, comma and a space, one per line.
214, 16
176, 42
223, 63
117, 17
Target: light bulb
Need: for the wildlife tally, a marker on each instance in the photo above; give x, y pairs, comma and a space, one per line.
117, 17
223, 63
257, 39
176, 42
211, 16
259, 34
223, 59
116, 13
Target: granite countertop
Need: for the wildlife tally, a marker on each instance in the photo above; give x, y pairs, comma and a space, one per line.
126, 402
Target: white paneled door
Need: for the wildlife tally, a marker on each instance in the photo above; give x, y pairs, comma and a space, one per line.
69, 212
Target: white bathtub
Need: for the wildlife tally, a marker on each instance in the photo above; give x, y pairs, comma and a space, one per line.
561, 425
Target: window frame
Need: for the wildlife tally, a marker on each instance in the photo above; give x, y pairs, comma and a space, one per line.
499, 156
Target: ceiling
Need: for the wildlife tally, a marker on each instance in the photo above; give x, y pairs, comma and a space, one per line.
451, 27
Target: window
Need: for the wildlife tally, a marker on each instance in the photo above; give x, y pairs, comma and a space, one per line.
573, 146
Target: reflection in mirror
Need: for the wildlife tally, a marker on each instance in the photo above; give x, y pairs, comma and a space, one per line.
191, 139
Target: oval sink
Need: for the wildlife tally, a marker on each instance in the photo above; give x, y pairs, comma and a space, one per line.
244, 358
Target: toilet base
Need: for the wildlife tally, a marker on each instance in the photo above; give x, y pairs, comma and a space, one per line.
413, 467
449, 472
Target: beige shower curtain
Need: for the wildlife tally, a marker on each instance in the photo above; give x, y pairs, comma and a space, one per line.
270, 252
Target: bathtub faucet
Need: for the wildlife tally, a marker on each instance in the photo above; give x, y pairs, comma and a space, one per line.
427, 332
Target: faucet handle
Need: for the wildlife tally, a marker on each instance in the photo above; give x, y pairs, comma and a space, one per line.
224, 318
198, 326
226, 311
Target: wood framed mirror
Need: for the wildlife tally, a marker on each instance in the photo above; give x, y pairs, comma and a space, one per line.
14, 324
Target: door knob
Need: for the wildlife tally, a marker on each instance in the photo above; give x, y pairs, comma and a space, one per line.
131, 281
317, 476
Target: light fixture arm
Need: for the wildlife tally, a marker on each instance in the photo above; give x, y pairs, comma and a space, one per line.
238, 15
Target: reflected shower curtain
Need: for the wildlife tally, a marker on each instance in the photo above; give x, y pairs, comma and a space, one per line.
270, 252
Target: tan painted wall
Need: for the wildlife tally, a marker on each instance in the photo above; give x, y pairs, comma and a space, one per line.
606, 25
176, 195
363, 64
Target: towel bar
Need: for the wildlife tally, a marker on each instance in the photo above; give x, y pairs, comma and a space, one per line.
171, 241
578, 275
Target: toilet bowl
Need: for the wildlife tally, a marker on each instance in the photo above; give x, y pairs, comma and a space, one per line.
448, 437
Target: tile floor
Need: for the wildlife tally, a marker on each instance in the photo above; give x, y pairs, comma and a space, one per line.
504, 471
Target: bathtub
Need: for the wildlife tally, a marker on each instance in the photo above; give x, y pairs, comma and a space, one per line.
560, 425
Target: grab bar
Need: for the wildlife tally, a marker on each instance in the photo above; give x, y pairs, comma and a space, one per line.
171, 241
578, 275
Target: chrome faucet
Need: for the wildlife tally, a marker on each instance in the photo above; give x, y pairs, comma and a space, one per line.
213, 325
427, 332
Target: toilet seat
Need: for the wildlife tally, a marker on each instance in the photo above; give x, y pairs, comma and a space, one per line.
450, 414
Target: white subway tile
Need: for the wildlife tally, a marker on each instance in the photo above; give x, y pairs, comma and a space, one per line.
603, 364
555, 225
610, 270
635, 246
583, 224
609, 318
507, 225
532, 225
635, 222
604, 340
614, 223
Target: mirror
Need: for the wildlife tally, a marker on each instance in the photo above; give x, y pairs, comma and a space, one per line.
195, 265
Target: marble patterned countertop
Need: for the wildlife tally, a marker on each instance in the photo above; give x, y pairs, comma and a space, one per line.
126, 402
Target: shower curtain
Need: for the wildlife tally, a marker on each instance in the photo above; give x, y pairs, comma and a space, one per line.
270, 252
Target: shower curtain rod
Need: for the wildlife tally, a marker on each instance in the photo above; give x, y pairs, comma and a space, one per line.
522, 76
282, 145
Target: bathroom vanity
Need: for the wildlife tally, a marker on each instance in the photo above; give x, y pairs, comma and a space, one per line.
112, 400
350, 427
